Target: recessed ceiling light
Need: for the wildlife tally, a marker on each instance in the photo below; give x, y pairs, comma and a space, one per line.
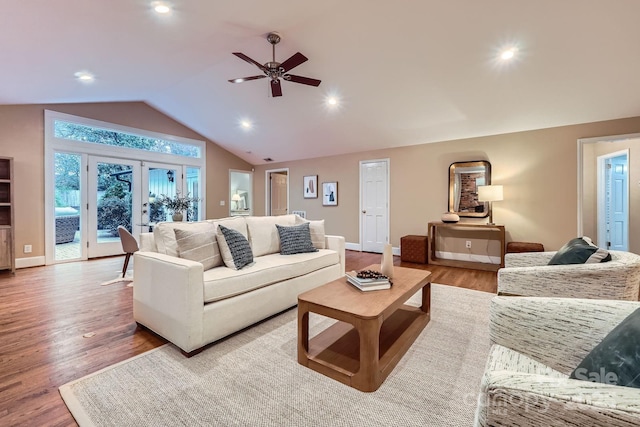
85, 76
332, 100
508, 54
161, 7
246, 124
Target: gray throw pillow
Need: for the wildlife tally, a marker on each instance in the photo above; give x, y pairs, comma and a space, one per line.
234, 247
295, 239
580, 250
616, 359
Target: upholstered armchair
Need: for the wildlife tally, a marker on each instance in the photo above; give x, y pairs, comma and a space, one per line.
537, 343
527, 274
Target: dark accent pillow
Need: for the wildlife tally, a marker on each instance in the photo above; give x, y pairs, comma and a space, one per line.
295, 239
580, 250
616, 360
236, 248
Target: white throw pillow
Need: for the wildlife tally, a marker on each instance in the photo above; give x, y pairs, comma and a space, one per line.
316, 227
199, 245
263, 234
165, 236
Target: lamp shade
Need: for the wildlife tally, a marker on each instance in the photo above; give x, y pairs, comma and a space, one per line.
489, 193
236, 197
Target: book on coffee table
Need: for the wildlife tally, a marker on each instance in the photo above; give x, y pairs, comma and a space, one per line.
367, 284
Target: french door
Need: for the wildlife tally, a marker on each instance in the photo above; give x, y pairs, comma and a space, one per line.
114, 199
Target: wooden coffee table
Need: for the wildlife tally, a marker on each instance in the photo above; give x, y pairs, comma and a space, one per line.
374, 331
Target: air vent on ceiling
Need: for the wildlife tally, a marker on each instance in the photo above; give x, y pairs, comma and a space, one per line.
268, 159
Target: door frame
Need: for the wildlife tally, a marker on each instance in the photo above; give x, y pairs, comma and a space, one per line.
267, 188
581, 190
601, 195
360, 204
53, 144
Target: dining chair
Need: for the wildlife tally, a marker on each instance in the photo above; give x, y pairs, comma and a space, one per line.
129, 246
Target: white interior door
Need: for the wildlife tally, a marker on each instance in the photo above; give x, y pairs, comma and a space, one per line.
374, 202
279, 193
616, 209
113, 199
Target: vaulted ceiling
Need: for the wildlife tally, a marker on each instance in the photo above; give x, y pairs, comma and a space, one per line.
404, 72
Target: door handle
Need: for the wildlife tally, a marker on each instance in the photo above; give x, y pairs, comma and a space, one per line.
364, 211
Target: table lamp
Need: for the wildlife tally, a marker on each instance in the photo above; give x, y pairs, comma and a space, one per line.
236, 198
490, 193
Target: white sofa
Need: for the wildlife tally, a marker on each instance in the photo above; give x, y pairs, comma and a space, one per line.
177, 299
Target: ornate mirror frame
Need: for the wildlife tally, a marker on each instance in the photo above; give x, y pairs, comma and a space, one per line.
464, 178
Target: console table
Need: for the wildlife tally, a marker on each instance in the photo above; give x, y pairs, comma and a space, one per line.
494, 232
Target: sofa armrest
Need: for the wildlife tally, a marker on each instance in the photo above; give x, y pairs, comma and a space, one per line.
337, 243
558, 332
168, 297
528, 259
610, 280
514, 398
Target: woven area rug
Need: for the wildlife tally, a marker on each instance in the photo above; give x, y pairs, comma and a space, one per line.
253, 379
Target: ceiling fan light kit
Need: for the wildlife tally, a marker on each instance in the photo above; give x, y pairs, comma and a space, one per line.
275, 70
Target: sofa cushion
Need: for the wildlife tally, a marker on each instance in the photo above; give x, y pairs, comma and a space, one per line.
199, 245
234, 247
295, 239
580, 250
237, 223
221, 283
165, 236
263, 235
316, 227
616, 359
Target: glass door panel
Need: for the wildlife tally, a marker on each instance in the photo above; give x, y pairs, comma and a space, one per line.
68, 233
160, 180
113, 200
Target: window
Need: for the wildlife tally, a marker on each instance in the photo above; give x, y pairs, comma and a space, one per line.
85, 133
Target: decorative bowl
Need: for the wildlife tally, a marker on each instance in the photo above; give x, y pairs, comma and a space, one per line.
450, 217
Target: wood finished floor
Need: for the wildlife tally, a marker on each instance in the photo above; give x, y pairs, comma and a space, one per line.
45, 311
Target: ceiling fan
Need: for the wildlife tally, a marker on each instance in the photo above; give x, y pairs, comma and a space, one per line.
276, 70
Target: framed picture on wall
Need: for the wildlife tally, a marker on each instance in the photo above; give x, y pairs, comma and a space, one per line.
330, 193
310, 187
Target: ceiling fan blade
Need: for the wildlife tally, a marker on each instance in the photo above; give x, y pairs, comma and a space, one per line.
276, 89
293, 62
250, 61
244, 79
304, 80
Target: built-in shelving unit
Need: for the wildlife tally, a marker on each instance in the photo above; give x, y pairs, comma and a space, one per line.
7, 247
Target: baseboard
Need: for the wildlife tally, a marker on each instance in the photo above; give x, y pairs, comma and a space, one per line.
35, 261
487, 259
358, 247
353, 246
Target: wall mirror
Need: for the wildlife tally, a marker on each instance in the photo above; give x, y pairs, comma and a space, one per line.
240, 192
464, 179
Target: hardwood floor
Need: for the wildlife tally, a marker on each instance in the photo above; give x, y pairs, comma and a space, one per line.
45, 311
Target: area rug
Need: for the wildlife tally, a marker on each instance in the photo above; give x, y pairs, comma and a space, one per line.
253, 379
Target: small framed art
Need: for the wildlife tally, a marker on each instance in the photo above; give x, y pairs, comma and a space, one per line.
330, 193
310, 187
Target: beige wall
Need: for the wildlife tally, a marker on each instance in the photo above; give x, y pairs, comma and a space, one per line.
591, 151
22, 137
537, 168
